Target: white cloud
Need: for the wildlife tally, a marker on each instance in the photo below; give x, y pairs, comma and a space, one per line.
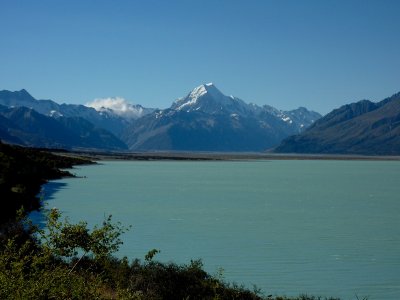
118, 105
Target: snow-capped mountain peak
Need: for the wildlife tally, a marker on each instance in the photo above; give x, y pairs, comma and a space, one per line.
208, 98
208, 89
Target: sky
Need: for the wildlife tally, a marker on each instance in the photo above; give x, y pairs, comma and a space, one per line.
318, 54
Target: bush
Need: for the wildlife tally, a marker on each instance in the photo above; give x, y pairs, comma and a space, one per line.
69, 261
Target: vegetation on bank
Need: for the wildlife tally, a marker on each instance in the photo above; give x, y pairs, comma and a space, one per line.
71, 261
23, 171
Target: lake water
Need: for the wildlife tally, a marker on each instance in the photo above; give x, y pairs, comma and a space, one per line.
328, 228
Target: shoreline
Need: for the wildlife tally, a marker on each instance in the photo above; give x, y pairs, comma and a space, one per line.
216, 156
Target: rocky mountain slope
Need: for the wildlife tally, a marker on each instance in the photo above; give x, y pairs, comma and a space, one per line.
364, 127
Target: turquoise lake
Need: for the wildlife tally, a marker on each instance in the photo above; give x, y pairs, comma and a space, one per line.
329, 228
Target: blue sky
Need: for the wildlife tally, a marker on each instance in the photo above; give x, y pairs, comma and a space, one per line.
318, 54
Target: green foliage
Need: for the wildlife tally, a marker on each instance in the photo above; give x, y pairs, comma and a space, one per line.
28, 271
302, 297
70, 261
150, 255
45, 264
66, 240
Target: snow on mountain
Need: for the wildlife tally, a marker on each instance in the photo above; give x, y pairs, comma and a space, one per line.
23, 98
55, 114
301, 117
209, 99
119, 106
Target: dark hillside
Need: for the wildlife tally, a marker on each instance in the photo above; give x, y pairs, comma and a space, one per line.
25, 126
364, 128
22, 172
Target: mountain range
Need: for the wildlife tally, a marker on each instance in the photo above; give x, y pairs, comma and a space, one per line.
363, 127
208, 120
204, 120
25, 126
99, 116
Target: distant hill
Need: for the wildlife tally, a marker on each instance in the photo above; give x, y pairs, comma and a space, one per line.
364, 127
208, 120
101, 117
25, 126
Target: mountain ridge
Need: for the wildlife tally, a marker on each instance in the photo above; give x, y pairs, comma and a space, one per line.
207, 120
102, 118
25, 126
204, 120
362, 127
